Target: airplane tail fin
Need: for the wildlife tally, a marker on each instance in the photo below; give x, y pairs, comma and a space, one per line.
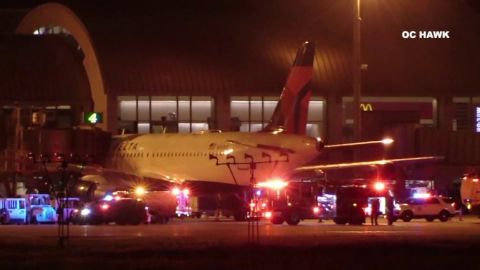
290, 115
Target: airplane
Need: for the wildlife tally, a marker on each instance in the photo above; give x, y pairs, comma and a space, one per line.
216, 161
181, 158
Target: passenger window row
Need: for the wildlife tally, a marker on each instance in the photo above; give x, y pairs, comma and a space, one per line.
167, 154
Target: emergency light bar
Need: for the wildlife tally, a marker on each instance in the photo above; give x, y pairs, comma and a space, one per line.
275, 184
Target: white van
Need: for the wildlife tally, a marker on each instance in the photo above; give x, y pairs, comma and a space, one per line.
13, 210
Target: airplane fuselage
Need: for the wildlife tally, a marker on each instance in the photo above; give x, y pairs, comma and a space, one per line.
188, 157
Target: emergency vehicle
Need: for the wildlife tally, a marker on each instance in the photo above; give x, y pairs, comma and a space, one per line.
119, 210
281, 201
124, 207
353, 202
470, 192
183, 208
427, 206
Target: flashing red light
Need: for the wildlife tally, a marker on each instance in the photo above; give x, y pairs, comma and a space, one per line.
275, 184
316, 210
268, 214
105, 207
379, 186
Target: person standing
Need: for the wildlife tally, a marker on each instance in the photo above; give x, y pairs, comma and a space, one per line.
390, 207
375, 211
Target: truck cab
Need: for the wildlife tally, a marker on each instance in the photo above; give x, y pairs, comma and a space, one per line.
281, 201
350, 204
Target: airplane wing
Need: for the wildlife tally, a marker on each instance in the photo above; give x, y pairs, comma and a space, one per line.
369, 163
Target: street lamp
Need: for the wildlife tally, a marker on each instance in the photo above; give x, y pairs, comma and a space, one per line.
357, 83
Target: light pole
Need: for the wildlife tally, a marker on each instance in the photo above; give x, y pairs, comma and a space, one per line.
357, 75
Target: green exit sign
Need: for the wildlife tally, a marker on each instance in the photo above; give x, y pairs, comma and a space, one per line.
93, 118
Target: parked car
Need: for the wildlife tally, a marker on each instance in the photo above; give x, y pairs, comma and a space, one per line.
430, 208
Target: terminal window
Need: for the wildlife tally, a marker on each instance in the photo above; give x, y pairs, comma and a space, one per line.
160, 114
254, 113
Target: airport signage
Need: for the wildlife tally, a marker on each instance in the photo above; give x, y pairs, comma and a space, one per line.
477, 119
93, 118
366, 107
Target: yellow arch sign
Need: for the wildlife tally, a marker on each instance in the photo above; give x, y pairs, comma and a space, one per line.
366, 107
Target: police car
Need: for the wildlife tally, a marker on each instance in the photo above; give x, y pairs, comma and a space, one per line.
428, 207
119, 210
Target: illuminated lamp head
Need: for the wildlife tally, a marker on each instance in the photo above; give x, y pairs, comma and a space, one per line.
140, 191
320, 144
379, 186
175, 191
387, 141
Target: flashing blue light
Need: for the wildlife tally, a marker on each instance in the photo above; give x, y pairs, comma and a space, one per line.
108, 197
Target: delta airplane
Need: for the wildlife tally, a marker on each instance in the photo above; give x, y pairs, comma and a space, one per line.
227, 159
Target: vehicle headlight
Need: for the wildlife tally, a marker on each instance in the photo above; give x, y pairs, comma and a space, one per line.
85, 212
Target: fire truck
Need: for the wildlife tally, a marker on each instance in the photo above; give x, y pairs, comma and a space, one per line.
280, 201
353, 202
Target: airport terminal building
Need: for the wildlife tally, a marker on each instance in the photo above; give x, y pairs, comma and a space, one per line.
173, 67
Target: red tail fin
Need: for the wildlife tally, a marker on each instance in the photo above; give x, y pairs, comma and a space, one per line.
291, 112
